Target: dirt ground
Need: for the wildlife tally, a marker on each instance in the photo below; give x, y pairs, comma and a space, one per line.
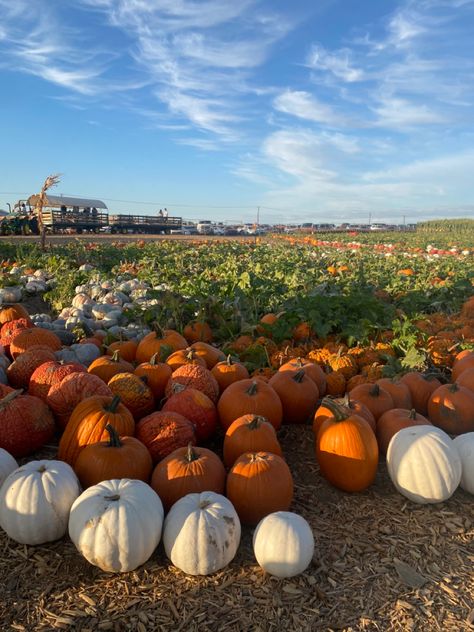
381, 563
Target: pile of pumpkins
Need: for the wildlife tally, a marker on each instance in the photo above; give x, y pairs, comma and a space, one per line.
133, 424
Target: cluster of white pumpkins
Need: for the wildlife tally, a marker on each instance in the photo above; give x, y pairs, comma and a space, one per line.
117, 524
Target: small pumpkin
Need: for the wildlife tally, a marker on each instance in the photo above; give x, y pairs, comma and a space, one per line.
258, 484
127, 349
119, 457
210, 354
198, 331
335, 384
134, 393
252, 396
421, 387
106, 367
188, 470
87, 425
159, 341
116, 524
184, 356
312, 370
35, 500
249, 433
283, 544
228, 372
375, 397
451, 408
13, 311
157, 376
201, 533
423, 464
399, 391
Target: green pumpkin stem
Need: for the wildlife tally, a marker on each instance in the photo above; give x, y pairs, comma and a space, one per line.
252, 389
256, 422
375, 391
298, 377
337, 410
114, 439
112, 407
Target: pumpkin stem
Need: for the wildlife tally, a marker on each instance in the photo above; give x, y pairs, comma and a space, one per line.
256, 422
252, 389
298, 376
115, 356
154, 359
112, 407
230, 362
158, 329
114, 497
114, 439
177, 387
375, 391
191, 454
453, 388
337, 410
10, 397
412, 414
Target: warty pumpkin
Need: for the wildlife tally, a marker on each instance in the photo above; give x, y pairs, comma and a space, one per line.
10, 329
87, 425
195, 406
119, 457
194, 376
162, 432
134, 393
187, 470
258, 484
13, 311
20, 370
50, 373
32, 336
252, 396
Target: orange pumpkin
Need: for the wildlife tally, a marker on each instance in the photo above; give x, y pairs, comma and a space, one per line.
210, 354
394, 420
466, 379
228, 372
195, 406
127, 349
194, 376
259, 483
420, 387
184, 356
335, 384
376, 398
13, 311
346, 450
157, 376
461, 365
10, 329
32, 336
298, 394
87, 425
250, 396
312, 370
20, 371
197, 331
350, 406
134, 393
106, 367
302, 332
119, 457
161, 342
264, 328
249, 433
398, 390
188, 470
162, 432
49, 373
451, 408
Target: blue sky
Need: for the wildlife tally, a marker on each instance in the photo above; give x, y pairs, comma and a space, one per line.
314, 110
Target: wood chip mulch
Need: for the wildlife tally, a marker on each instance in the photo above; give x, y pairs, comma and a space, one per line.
380, 563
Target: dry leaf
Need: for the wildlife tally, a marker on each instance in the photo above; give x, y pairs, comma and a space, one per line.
408, 574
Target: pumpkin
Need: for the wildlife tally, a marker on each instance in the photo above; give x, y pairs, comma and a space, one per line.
227, 372
157, 376
249, 396
196, 331
184, 356
423, 464
302, 332
7, 465
119, 457
32, 336
134, 393
399, 391
466, 379
346, 450
163, 432
49, 373
201, 533
266, 322
376, 398
20, 371
312, 370
211, 355
116, 524
35, 500
194, 376
161, 342
464, 445
461, 365
106, 367
350, 406
451, 408
258, 484
335, 384
298, 394
187, 470
4, 390
420, 386
127, 349
195, 406
343, 363
87, 425
394, 420
63, 397
26, 423
283, 544
10, 329
14, 311
249, 433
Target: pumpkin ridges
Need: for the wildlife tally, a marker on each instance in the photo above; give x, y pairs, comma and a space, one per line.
394, 420
32, 336
298, 394
249, 396
249, 433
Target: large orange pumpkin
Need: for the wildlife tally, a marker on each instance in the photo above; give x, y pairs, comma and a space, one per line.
376, 398
451, 408
162, 432
161, 342
312, 370
249, 433
119, 457
298, 394
127, 349
350, 406
32, 336
461, 365
346, 450
188, 470
250, 396
394, 420
466, 379
259, 483
87, 425
398, 390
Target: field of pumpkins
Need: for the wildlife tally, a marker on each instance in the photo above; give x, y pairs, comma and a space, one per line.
238, 435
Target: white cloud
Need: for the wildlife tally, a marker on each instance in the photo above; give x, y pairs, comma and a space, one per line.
338, 63
304, 105
397, 113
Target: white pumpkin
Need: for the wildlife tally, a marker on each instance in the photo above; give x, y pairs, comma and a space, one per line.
116, 525
283, 544
35, 500
201, 533
424, 464
7, 465
86, 353
82, 299
464, 445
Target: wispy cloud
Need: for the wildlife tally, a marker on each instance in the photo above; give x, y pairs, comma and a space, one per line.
337, 62
304, 105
